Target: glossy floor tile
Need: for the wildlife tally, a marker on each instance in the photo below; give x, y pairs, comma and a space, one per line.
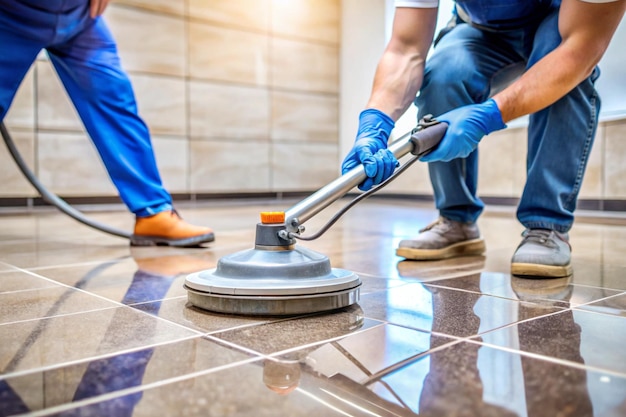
92, 327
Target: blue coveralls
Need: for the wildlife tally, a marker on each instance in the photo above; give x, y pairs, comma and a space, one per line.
85, 57
504, 34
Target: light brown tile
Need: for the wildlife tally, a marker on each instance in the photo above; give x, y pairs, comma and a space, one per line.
593, 183
69, 165
13, 181
226, 166
249, 14
520, 139
86, 380
147, 275
304, 66
222, 54
614, 167
176, 7
304, 117
311, 19
54, 107
47, 302
172, 156
11, 281
68, 338
162, 103
496, 154
228, 111
415, 180
148, 42
73, 245
21, 114
303, 166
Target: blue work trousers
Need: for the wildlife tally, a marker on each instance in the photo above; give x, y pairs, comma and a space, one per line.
84, 55
461, 71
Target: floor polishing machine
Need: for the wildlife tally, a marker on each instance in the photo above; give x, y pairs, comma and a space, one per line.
278, 278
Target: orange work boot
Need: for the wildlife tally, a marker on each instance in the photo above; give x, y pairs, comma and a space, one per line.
167, 228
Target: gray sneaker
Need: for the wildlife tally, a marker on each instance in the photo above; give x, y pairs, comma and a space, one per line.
443, 239
542, 253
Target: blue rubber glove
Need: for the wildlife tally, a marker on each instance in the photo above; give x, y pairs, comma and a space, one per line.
370, 149
467, 126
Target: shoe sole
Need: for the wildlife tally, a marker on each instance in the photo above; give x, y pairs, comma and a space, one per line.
465, 248
140, 240
538, 270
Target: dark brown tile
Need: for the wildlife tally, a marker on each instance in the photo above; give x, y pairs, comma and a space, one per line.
179, 310
579, 337
615, 305
442, 310
559, 292
293, 333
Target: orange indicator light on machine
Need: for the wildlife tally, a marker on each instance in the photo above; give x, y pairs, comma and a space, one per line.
272, 217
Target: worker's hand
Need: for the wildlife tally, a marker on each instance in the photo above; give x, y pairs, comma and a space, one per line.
370, 149
96, 7
467, 126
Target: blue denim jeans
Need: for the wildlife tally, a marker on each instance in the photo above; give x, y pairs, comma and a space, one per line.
461, 71
84, 55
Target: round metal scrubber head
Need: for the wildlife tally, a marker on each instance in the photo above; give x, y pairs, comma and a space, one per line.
273, 282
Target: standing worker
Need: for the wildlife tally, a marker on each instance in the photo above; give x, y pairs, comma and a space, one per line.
559, 43
85, 57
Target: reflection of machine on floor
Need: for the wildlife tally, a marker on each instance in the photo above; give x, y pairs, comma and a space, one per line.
278, 278
50, 197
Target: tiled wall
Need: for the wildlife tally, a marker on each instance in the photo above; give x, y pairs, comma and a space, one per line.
244, 96
502, 166
240, 96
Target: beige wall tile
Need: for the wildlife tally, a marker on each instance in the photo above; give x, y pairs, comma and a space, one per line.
495, 164
520, 150
303, 166
223, 166
304, 66
148, 42
69, 165
162, 103
54, 108
224, 111
218, 53
311, 19
415, 180
615, 155
172, 159
304, 117
21, 114
176, 7
252, 14
13, 182
592, 181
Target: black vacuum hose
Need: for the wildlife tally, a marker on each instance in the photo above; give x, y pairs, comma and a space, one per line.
50, 197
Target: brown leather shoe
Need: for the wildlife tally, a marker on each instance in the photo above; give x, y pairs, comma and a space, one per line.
169, 229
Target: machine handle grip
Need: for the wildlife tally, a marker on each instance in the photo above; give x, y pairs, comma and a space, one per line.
427, 139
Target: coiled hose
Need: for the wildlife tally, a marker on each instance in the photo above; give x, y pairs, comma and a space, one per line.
50, 197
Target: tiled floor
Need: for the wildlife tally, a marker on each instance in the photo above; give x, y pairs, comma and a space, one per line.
89, 326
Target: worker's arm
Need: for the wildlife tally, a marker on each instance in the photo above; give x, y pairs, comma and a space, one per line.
397, 80
96, 7
400, 71
586, 30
